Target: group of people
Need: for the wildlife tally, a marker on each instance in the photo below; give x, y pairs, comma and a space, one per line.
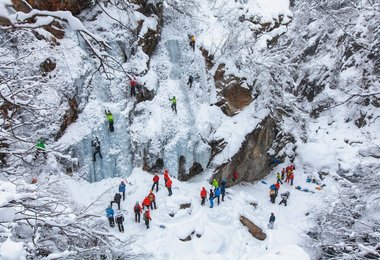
274, 188
148, 203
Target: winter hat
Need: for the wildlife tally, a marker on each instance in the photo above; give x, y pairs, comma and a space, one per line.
137, 202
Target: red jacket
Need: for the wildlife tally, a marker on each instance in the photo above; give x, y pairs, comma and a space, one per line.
133, 83
235, 175
146, 202
151, 196
277, 185
156, 178
147, 215
166, 175
169, 183
203, 193
291, 176
137, 208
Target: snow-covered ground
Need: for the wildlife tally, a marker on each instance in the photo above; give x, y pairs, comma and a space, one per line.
222, 234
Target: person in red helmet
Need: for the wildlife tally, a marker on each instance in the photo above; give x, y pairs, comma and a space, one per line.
156, 179
166, 176
152, 199
147, 218
169, 186
203, 196
146, 203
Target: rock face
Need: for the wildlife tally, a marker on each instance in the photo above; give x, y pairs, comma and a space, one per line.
195, 169
234, 96
74, 6
252, 160
144, 94
70, 117
255, 231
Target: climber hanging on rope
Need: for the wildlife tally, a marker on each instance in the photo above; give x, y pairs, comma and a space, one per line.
40, 149
192, 42
110, 119
96, 144
174, 104
133, 83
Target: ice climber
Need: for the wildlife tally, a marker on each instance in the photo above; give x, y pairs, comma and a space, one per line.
203, 196
192, 42
133, 84
174, 104
211, 198
285, 197
40, 149
152, 199
117, 200
215, 183
217, 194
122, 189
147, 218
156, 179
235, 176
119, 218
223, 185
146, 203
110, 119
110, 213
166, 175
137, 209
272, 219
96, 144
190, 81
169, 186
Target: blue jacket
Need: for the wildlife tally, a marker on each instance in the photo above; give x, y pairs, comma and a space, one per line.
110, 212
272, 187
223, 186
217, 192
122, 187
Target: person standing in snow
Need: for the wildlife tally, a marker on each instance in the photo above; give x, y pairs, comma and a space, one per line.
152, 199
156, 179
110, 119
133, 84
137, 209
190, 81
279, 178
211, 198
122, 189
119, 220
147, 218
192, 42
272, 219
40, 149
215, 183
223, 185
203, 196
169, 186
291, 178
117, 200
277, 186
174, 104
283, 174
146, 203
110, 212
166, 176
272, 193
96, 144
217, 194
285, 197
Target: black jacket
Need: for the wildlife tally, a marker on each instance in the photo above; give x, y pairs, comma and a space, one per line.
117, 197
119, 219
272, 218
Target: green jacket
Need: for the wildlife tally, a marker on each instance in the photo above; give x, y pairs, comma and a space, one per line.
173, 100
109, 117
215, 183
40, 145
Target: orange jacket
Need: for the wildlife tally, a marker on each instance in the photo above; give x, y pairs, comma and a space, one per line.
146, 202
151, 196
169, 183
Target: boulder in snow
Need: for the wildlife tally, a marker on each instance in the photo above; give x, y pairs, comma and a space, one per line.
255, 231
